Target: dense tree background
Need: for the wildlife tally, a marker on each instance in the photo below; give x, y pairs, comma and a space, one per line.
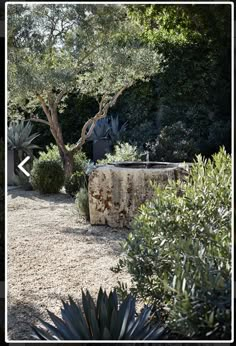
195, 85
186, 108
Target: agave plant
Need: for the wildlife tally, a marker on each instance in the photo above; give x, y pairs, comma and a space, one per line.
20, 138
105, 320
101, 130
115, 129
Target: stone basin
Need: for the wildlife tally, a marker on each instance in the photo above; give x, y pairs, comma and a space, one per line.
117, 190
142, 164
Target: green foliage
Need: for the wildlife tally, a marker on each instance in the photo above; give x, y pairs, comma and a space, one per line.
175, 143
101, 130
108, 128
138, 107
80, 161
52, 154
104, 320
82, 202
47, 176
194, 84
110, 52
122, 152
73, 183
179, 251
116, 130
20, 137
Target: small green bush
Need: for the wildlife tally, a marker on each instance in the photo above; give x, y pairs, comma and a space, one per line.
52, 154
175, 143
179, 252
47, 176
122, 152
82, 202
73, 183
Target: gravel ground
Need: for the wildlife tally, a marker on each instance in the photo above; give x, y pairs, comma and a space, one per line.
52, 253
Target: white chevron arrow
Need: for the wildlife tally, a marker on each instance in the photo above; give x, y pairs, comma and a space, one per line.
20, 166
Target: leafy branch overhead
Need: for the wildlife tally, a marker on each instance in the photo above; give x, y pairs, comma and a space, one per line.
55, 49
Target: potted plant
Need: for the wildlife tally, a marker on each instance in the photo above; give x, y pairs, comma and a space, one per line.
105, 134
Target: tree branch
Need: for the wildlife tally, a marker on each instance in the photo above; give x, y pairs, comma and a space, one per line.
40, 121
102, 113
88, 54
44, 106
59, 97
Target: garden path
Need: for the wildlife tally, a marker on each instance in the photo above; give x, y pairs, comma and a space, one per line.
52, 253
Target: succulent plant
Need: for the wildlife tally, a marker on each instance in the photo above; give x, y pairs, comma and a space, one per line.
101, 130
105, 320
105, 129
20, 138
115, 129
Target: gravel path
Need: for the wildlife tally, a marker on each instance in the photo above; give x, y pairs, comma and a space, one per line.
53, 253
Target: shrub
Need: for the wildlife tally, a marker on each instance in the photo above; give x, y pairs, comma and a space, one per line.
80, 161
82, 202
74, 183
47, 176
52, 154
122, 152
106, 319
173, 144
179, 251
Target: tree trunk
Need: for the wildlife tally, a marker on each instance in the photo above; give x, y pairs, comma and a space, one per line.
62, 156
68, 164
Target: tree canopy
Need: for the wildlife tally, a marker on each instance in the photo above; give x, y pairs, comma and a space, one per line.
94, 49
54, 49
175, 61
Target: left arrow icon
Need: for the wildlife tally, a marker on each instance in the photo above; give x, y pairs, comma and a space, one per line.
20, 166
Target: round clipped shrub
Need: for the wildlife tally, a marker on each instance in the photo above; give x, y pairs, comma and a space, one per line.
74, 183
47, 176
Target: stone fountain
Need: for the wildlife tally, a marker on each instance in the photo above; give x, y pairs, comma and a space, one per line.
117, 190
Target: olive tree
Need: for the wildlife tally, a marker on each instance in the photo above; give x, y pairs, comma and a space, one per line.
54, 49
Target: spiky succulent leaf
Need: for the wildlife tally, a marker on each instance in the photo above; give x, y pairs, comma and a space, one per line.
107, 320
19, 136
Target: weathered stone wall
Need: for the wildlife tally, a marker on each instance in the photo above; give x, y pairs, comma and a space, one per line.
115, 193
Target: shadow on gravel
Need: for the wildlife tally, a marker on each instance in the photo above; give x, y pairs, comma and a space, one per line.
34, 195
20, 317
99, 235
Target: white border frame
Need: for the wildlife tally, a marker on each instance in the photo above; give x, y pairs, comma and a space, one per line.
232, 146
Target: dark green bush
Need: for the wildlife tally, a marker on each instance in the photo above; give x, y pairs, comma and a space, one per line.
47, 176
73, 183
174, 144
179, 252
